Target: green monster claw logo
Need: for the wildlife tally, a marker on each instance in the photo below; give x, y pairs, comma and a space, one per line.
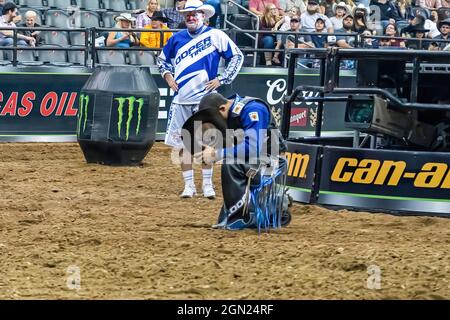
82, 112
131, 100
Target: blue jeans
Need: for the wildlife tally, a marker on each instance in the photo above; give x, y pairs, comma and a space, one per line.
9, 42
268, 42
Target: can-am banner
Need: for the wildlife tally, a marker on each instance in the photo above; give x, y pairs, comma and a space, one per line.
37, 103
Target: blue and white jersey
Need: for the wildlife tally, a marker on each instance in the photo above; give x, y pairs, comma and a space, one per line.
194, 60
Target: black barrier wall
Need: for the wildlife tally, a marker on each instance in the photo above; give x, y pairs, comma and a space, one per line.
42, 102
384, 179
374, 180
302, 164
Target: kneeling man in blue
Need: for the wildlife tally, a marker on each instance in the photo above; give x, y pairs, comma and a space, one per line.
242, 134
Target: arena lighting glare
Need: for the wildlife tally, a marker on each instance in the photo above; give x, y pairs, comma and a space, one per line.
374, 115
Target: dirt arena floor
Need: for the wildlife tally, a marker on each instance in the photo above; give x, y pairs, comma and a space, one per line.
132, 237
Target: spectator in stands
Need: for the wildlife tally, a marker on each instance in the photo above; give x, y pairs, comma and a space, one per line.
2, 3
30, 22
123, 39
368, 41
6, 20
405, 11
419, 33
444, 28
268, 22
432, 25
286, 5
145, 18
347, 27
153, 39
360, 15
302, 41
175, 18
258, 6
346, 42
388, 12
284, 24
430, 4
319, 40
391, 31
309, 18
418, 20
340, 10
326, 7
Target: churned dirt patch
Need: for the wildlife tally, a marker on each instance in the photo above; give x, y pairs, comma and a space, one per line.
131, 237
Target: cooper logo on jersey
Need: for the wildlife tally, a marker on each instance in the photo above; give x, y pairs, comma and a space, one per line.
199, 47
194, 61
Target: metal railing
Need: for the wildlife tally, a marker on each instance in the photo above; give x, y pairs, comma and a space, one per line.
54, 47
254, 38
92, 33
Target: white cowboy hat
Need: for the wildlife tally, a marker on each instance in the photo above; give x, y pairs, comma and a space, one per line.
360, 6
125, 16
197, 5
340, 5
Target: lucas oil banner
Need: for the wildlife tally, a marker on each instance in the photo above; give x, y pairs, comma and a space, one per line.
36, 103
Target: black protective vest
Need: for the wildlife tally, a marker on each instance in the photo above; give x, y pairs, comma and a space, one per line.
234, 122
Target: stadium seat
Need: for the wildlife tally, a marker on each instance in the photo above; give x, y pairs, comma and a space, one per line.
443, 13
422, 11
89, 4
112, 57
108, 19
54, 57
77, 38
55, 37
139, 4
32, 3
58, 19
146, 58
231, 9
23, 10
86, 19
60, 4
24, 57
166, 4
3, 60
115, 5
77, 57
242, 21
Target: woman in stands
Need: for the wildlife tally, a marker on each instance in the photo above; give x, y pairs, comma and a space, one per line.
283, 24
268, 21
123, 39
360, 15
405, 9
145, 18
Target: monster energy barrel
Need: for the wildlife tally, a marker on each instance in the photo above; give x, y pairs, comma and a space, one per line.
117, 115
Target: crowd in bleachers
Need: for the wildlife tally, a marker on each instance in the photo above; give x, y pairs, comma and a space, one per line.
307, 23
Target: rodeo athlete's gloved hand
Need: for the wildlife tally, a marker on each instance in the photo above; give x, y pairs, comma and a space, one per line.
207, 156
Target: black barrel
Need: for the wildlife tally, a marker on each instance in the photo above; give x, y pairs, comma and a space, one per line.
117, 115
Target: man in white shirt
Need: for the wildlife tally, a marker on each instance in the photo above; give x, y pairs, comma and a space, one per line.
309, 18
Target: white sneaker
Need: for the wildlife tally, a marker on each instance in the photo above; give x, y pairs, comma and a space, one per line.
208, 191
189, 191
